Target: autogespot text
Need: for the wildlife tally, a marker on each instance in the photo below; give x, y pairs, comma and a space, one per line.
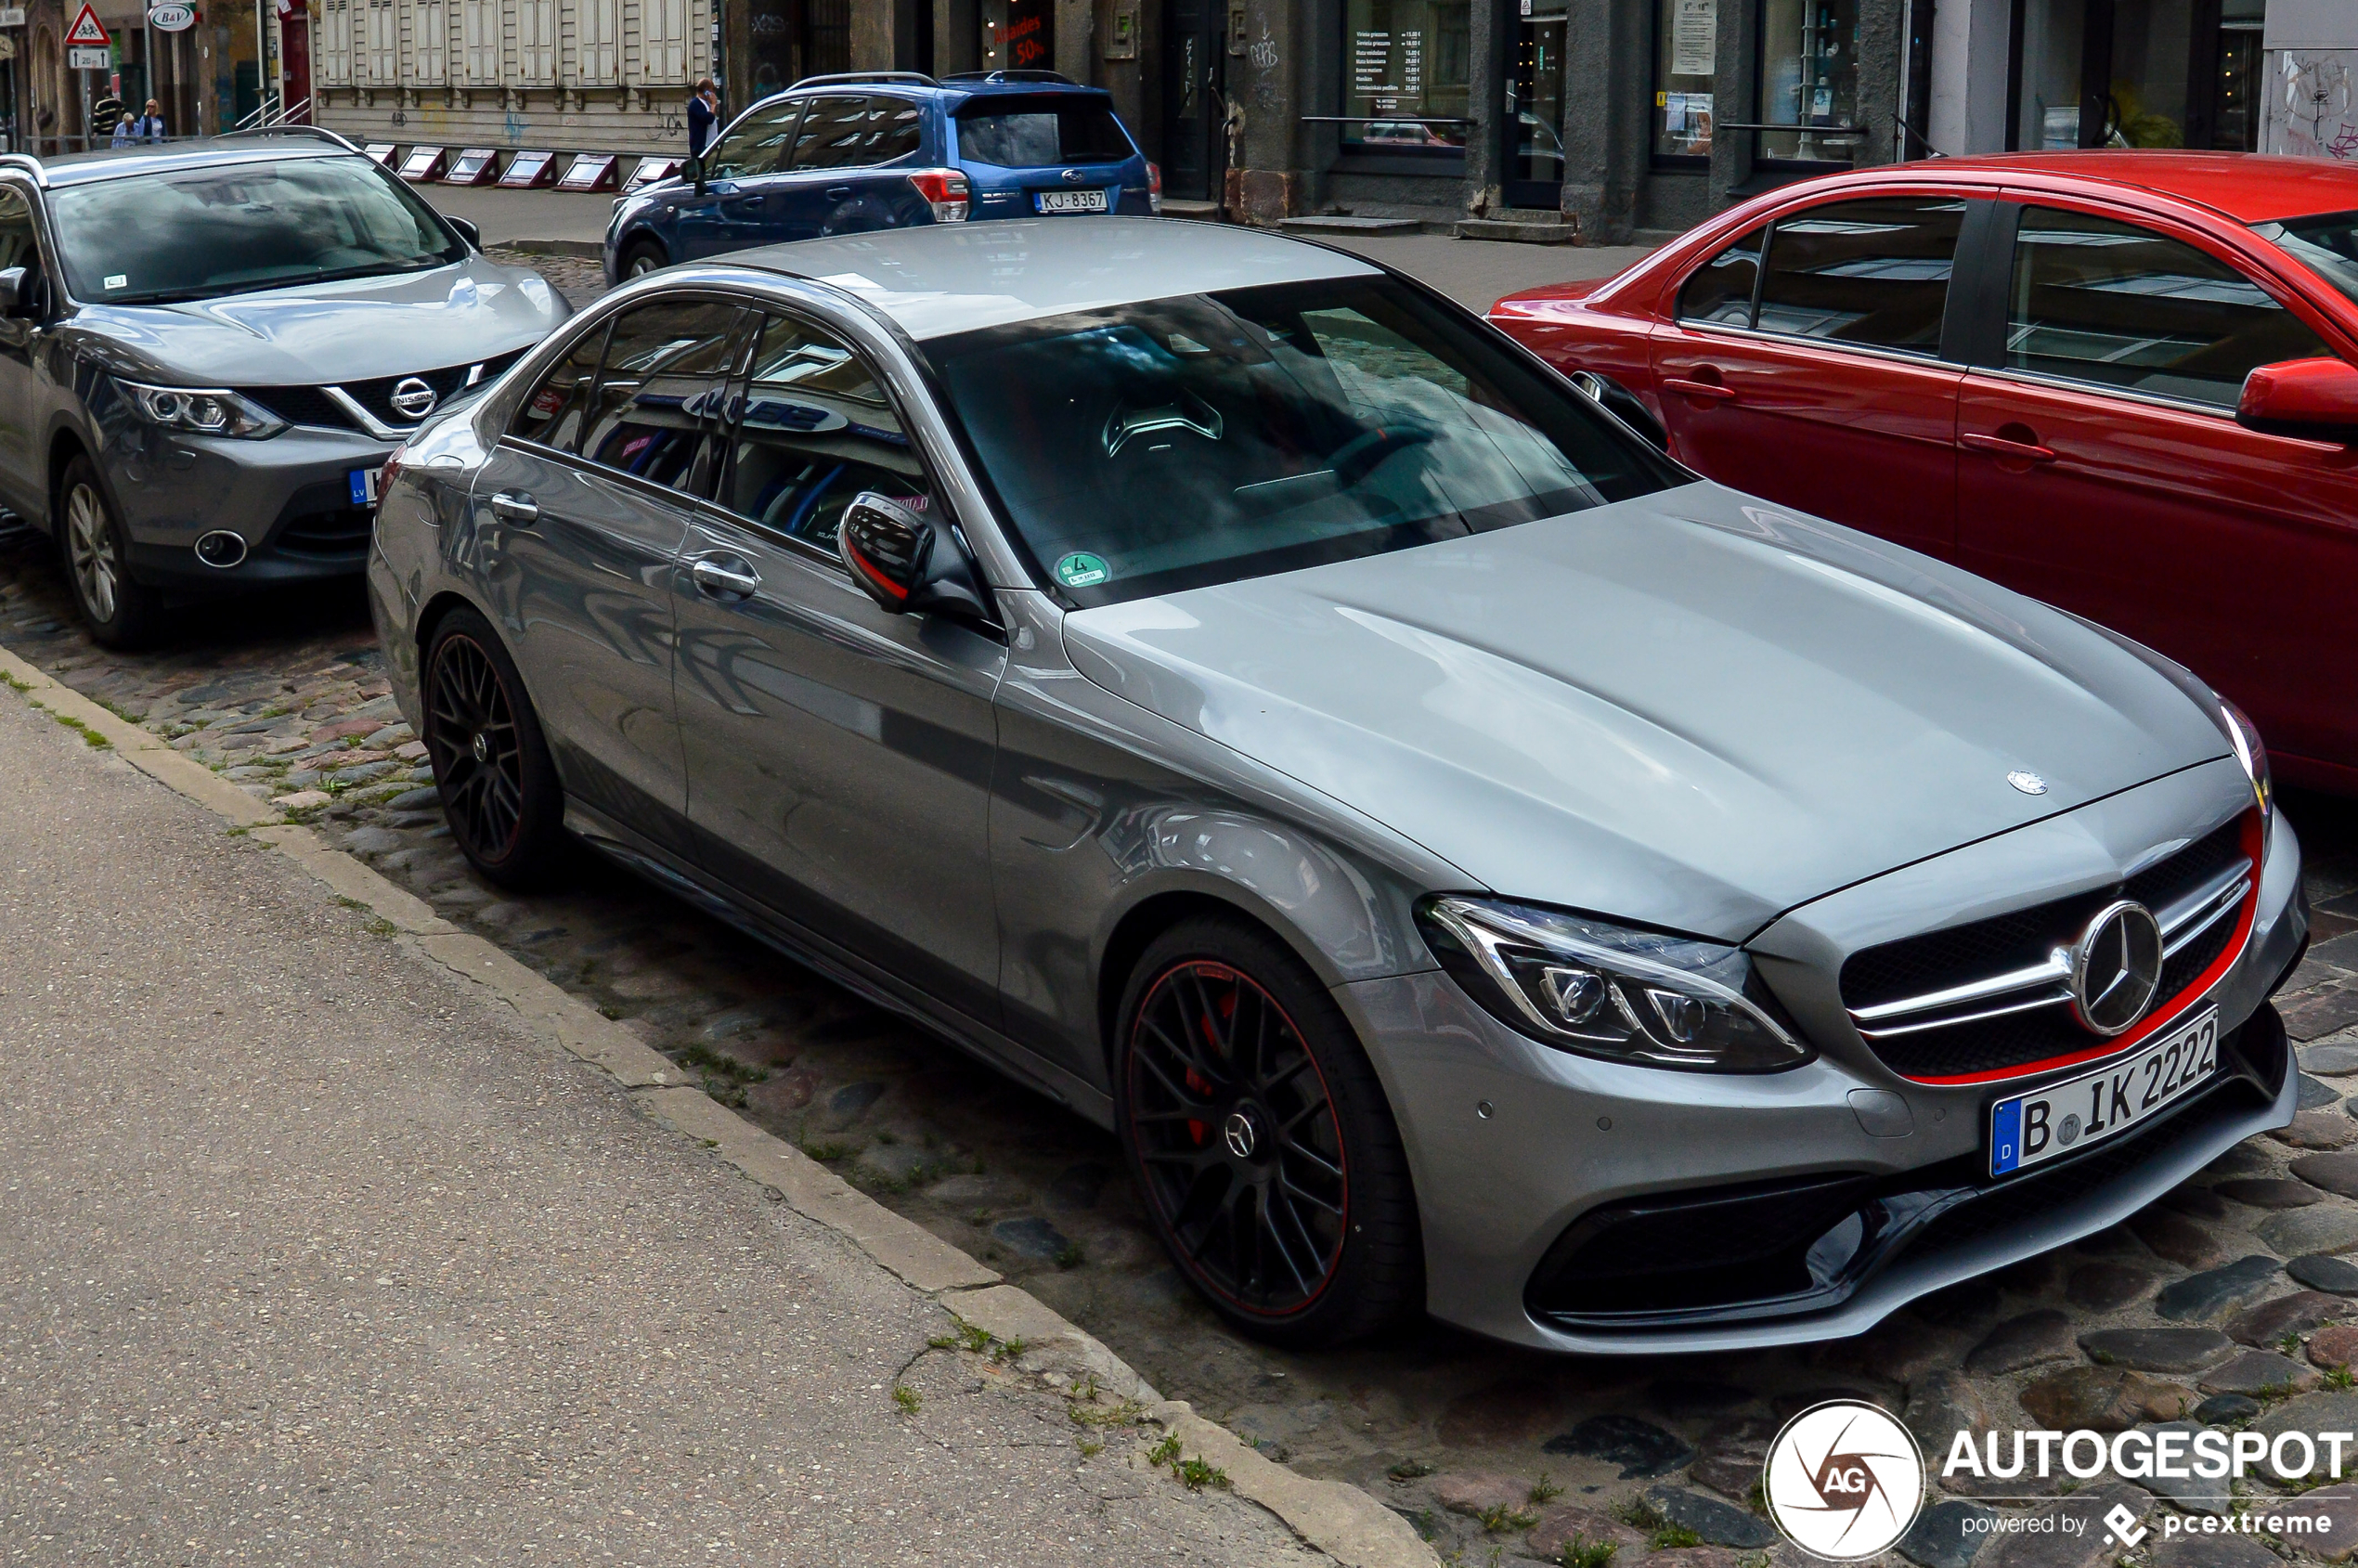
2165, 1455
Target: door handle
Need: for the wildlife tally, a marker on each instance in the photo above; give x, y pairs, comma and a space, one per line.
2015, 451
837, 192
1699, 392
514, 508
725, 576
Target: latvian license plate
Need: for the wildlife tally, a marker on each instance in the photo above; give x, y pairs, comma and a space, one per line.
1070, 200
2031, 1128
364, 486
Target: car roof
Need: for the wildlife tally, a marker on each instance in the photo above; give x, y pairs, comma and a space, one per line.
83, 168
2247, 186
952, 89
938, 279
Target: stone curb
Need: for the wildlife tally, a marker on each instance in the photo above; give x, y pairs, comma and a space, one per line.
1336, 1518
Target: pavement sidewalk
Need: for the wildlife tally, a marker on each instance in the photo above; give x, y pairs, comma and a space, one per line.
314, 1253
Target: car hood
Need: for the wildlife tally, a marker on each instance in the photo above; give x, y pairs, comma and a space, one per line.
1693, 711
352, 331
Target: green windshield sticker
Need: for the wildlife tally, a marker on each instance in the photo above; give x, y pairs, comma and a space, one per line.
1081, 569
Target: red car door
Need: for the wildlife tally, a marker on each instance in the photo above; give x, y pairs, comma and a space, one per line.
2100, 469
1817, 380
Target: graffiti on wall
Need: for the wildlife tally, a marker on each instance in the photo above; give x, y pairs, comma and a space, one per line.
2313, 109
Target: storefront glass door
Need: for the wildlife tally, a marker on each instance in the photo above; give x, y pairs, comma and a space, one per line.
1535, 99
2137, 73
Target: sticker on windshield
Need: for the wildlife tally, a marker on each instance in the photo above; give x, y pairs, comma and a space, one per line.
117, 279
1081, 569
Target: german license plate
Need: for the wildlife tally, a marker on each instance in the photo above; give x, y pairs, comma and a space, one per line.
364, 486
1069, 200
2031, 1128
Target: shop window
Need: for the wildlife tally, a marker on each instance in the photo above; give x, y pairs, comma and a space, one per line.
1809, 78
1871, 272
2121, 306
1686, 70
1407, 69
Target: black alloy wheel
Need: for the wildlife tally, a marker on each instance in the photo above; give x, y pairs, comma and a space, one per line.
1261, 1139
499, 788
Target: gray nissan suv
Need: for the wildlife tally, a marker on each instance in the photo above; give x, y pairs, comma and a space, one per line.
207, 349
1473, 862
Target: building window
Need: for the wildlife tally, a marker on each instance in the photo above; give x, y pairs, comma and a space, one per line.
1686, 67
1407, 66
1809, 77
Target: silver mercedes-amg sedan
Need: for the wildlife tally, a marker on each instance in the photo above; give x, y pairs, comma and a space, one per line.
1475, 865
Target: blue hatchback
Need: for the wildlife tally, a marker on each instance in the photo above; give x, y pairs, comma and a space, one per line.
886, 149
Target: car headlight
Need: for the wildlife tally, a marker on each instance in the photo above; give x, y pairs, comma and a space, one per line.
2244, 736
202, 410
1581, 984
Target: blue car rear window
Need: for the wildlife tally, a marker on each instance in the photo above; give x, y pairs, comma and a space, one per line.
1030, 133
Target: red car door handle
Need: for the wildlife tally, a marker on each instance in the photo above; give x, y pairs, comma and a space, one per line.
1999, 446
1701, 392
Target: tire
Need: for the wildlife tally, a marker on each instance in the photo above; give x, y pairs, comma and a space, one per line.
1286, 1198
491, 765
96, 555
639, 258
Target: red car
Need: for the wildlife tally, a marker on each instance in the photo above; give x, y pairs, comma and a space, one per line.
2122, 382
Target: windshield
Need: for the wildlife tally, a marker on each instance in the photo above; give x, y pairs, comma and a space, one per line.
2327, 244
1150, 447
1012, 133
198, 233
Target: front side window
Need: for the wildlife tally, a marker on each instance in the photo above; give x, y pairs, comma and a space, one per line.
1145, 448
552, 414
758, 144
665, 368
814, 429
17, 246
1407, 69
1686, 75
2096, 300
1874, 273
1721, 289
193, 234
857, 133
1011, 133
2326, 245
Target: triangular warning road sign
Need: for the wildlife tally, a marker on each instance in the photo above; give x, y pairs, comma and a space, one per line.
86, 28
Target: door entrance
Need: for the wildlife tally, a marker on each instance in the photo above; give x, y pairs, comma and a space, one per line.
1194, 151
295, 67
1534, 173
2142, 74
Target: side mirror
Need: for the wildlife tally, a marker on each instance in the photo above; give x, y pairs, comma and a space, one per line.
12, 291
2316, 399
467, 229
1623, 405
908, 561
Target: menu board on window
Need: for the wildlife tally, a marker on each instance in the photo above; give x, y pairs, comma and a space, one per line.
1694, 37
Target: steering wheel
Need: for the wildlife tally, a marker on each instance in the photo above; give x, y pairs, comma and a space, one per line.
1359, 456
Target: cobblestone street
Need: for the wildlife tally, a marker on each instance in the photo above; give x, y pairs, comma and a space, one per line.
2223, 1303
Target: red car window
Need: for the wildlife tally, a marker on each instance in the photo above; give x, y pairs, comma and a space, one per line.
1874, 273
2097, 300
1722, 288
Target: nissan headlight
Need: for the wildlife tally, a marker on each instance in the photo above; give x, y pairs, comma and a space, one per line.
1584, 985
202, 410
2250, 751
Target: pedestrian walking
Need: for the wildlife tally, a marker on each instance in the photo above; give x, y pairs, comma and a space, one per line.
147, 127
703, 113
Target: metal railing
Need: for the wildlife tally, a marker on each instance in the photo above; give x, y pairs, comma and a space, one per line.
271, 114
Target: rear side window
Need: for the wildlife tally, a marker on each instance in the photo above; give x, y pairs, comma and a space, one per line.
814, 429
2096, 300
1013, 132
552, 415
1721, 289
757, 145
1871, 273
858, 133
666, 364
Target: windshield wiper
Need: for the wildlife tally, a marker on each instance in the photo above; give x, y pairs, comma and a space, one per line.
260, 285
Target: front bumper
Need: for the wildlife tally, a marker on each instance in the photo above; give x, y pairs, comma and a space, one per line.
289, 497
1526, 1157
